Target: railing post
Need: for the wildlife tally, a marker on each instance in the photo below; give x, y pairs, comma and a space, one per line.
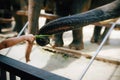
3, 74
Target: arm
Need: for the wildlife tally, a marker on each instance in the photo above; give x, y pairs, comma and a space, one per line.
29, 47
15, 40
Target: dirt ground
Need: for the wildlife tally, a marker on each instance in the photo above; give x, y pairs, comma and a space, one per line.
71, 67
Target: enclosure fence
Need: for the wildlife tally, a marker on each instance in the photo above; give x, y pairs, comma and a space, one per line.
23, 71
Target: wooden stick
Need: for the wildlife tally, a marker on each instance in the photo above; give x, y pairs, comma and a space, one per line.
4, 20
46, 15
105, 23
77, 54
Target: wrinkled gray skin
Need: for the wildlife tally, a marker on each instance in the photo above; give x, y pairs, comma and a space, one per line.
98, 36
63, 8
63, 24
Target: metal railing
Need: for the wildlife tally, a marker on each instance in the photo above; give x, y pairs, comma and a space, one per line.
23, 71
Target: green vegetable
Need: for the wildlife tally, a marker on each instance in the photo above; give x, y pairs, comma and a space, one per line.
41, 36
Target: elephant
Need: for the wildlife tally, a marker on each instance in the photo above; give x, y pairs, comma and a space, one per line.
5, 13
97, 36
108, 11
65, 10
8, 9
69, 7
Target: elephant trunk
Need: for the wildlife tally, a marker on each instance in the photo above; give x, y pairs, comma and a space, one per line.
111, 10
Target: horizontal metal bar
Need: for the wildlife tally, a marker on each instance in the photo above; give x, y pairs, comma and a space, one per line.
26, 71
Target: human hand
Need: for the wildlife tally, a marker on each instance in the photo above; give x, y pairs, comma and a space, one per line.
30, 38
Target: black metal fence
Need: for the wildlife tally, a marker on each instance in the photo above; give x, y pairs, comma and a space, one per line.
23, 71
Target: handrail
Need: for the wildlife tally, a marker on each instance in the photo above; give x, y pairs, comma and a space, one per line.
25, 71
